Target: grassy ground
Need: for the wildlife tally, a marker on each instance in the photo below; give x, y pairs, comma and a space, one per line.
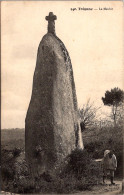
81, 173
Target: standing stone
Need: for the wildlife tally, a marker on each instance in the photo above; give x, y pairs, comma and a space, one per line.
51, 126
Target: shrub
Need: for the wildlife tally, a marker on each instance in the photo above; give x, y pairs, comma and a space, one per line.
74, 175
77, 162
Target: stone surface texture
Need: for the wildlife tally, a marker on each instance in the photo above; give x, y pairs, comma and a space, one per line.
51, 125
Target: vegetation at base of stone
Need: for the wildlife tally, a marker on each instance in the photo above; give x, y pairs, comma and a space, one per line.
78, 173
75, 175
82, 167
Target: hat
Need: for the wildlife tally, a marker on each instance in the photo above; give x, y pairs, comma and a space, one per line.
106, 152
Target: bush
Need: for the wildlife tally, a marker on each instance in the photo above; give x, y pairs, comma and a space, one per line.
78, 173
77, 163
7, 162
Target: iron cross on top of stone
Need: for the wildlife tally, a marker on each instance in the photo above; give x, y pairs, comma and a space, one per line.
51, 22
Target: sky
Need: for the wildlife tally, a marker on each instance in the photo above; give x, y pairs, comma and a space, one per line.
93, 38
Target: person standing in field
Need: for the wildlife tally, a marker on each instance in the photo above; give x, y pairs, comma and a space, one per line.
109, 165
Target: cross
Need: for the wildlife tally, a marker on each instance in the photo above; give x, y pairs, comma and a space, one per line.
51, 22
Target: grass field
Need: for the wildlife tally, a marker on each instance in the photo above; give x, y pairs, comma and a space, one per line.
11, 138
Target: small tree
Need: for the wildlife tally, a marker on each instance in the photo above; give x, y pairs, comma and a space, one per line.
87, 115
114, 98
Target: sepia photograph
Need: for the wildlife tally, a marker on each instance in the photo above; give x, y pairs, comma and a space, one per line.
62, 97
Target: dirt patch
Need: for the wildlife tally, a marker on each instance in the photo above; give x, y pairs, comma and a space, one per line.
105, 189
